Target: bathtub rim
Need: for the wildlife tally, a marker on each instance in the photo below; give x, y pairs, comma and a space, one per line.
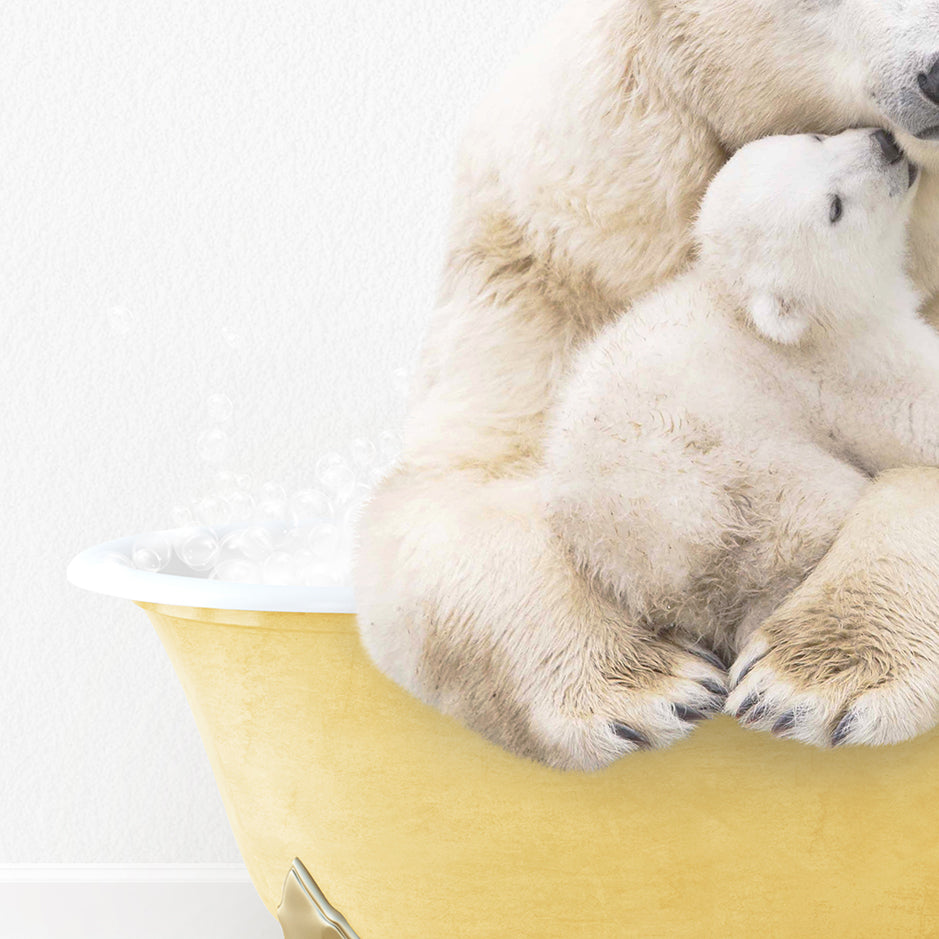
97, 570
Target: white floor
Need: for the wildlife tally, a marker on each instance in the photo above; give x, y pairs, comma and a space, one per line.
91, 907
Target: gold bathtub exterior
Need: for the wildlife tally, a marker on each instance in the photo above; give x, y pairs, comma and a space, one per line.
415, 828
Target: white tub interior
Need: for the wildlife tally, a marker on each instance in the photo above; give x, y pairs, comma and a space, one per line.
101, 570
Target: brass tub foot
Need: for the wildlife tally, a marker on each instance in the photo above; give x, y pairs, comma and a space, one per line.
304, 913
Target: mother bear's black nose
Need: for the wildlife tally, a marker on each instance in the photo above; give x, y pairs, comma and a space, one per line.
929, 82
892, 153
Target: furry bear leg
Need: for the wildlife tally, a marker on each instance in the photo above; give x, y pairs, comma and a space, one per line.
467, 599
852, 655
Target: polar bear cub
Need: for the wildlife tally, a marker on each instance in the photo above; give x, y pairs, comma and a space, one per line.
709, 444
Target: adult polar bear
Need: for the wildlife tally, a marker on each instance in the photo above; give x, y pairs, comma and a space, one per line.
576, 192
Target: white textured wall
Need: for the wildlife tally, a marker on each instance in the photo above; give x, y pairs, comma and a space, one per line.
279, 173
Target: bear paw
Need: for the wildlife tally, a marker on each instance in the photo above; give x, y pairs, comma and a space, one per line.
829, 692
635, 705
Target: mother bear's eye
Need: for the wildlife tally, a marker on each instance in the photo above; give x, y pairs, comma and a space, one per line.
836, 210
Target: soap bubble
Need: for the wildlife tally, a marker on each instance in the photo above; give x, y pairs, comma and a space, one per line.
198, 548
364, 452
273, 491
118, 557
352, 511
238, 571
182, 516
224, 483
327, 464
271, 510
151, 552
256, 543
214, 445
292, 540
331, 573
335, 475
242, 506
219, 408
308, 504
389, 446
308, 536
281, 533
213, 510
278, 568
313, 573
322, 540
303, 557
231, 546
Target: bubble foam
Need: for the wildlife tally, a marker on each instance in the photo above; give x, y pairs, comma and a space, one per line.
270, 534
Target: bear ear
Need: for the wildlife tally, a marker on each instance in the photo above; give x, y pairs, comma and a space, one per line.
777, 319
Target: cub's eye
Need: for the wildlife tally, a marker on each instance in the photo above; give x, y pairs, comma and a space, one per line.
836, 210
819, 138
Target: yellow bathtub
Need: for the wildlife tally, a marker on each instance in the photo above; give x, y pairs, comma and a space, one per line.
404, 824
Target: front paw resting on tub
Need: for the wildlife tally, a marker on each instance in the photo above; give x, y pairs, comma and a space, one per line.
852, 656
828, 681
644, 693
503, 633
583, 701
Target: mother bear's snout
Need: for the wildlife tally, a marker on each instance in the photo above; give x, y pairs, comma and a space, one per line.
929, 82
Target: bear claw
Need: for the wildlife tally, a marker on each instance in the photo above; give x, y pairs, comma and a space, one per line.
715, 687
842, 729
708, 656
745, 706
786, 722
688, 714
628, 733
757, 714
746, 669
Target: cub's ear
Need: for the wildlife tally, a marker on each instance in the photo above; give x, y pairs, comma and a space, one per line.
777, 319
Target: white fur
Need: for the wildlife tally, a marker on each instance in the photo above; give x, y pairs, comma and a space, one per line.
703, 455
575, 193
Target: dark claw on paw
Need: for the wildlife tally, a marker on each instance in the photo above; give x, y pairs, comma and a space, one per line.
745, 706
713, 686
714, 706
843, 729
688, 714
709, 656
757, 714
786, 722
748, 666
627, 733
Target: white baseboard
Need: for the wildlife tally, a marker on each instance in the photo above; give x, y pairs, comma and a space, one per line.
124, 874
131, 901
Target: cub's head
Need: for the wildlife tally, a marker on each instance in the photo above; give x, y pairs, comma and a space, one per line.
808, 230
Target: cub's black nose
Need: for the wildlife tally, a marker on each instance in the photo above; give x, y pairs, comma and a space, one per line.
929, 82
888, 146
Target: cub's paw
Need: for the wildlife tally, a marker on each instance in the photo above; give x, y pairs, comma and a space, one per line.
846, 687
647, 700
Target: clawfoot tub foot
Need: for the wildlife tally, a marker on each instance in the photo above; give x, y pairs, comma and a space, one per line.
304, 913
